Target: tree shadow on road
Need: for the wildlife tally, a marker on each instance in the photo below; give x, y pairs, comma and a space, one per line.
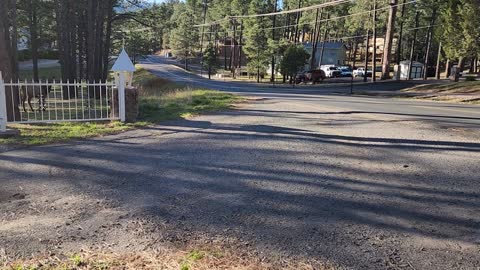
288, 191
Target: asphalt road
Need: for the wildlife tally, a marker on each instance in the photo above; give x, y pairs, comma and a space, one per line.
361, 183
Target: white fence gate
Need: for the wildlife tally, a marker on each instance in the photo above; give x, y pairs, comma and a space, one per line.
49, 102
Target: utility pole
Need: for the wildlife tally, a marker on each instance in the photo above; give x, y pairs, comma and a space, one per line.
299, 14
324, 42
439, 56
374, 37
274, 20
225, 49
387, 49
203, 32
412, 50
240, 46
232, 46
366, 56
316, 33
429, 43
400, 35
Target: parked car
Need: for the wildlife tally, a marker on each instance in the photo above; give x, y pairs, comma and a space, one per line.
331, 71
345, 71
299, 78
315, 76
360, 72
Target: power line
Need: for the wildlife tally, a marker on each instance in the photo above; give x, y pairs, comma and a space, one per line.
344, 37
320, 21
333, 3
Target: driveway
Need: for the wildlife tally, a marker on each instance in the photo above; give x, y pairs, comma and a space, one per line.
359, 183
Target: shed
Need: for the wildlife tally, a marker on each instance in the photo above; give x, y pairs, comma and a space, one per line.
416, 72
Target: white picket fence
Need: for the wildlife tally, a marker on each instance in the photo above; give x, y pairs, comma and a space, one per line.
57, 101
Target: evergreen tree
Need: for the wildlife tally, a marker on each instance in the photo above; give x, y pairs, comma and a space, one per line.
210, 60
293, 60
184, 37
257, 39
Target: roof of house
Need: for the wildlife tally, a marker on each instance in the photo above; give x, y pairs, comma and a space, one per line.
414, 63
328, 45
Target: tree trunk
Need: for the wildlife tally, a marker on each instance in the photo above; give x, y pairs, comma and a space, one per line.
354, 60
225, 50
33, 23
108, 40
366, 56
387, 50
412, 49
461, 63
320, 62
186, 61
316, 34
7, 63
374, 39
400, 36
448, 68
299, 14
240, 46
429, 44
274, 20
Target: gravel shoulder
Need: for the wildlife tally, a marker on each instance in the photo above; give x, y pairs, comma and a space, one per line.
279, 181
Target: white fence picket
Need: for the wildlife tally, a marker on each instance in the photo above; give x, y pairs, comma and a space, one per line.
62, 101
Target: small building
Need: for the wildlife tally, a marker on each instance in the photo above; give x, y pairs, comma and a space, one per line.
335, 53
416, 72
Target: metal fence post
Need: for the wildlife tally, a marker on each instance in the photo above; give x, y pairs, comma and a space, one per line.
121, 96
3, 106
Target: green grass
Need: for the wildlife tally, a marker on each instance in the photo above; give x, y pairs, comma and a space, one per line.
36, 134
43, 73
162, 100
159, 100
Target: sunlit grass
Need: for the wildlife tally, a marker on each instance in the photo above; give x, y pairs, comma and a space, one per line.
35, 134
163, 100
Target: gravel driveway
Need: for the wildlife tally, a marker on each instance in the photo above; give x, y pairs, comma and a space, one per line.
283, 178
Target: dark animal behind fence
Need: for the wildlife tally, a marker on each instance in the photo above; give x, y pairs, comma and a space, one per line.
41, 92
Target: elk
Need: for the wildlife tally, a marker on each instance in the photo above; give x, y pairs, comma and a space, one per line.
30, 91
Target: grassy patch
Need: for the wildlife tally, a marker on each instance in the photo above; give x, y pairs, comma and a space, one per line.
43, 73
36, 134
160, 100
165, 259
163, 100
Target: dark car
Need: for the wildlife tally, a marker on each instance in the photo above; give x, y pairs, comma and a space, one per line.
299, 78
345, 71
315, 76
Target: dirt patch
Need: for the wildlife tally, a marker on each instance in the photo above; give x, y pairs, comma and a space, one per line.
461, 92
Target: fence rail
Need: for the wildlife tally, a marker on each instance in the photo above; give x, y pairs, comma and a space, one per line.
57, 101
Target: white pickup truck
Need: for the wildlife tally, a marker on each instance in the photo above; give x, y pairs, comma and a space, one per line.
360, 72
331, 71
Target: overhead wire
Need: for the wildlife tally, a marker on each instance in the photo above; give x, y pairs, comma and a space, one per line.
320, 21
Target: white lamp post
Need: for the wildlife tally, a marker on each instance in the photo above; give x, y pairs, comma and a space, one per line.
123, 72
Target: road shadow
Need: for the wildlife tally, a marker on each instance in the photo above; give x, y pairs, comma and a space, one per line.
296, 200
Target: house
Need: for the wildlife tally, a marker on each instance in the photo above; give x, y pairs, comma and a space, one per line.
335, 53
229, 52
